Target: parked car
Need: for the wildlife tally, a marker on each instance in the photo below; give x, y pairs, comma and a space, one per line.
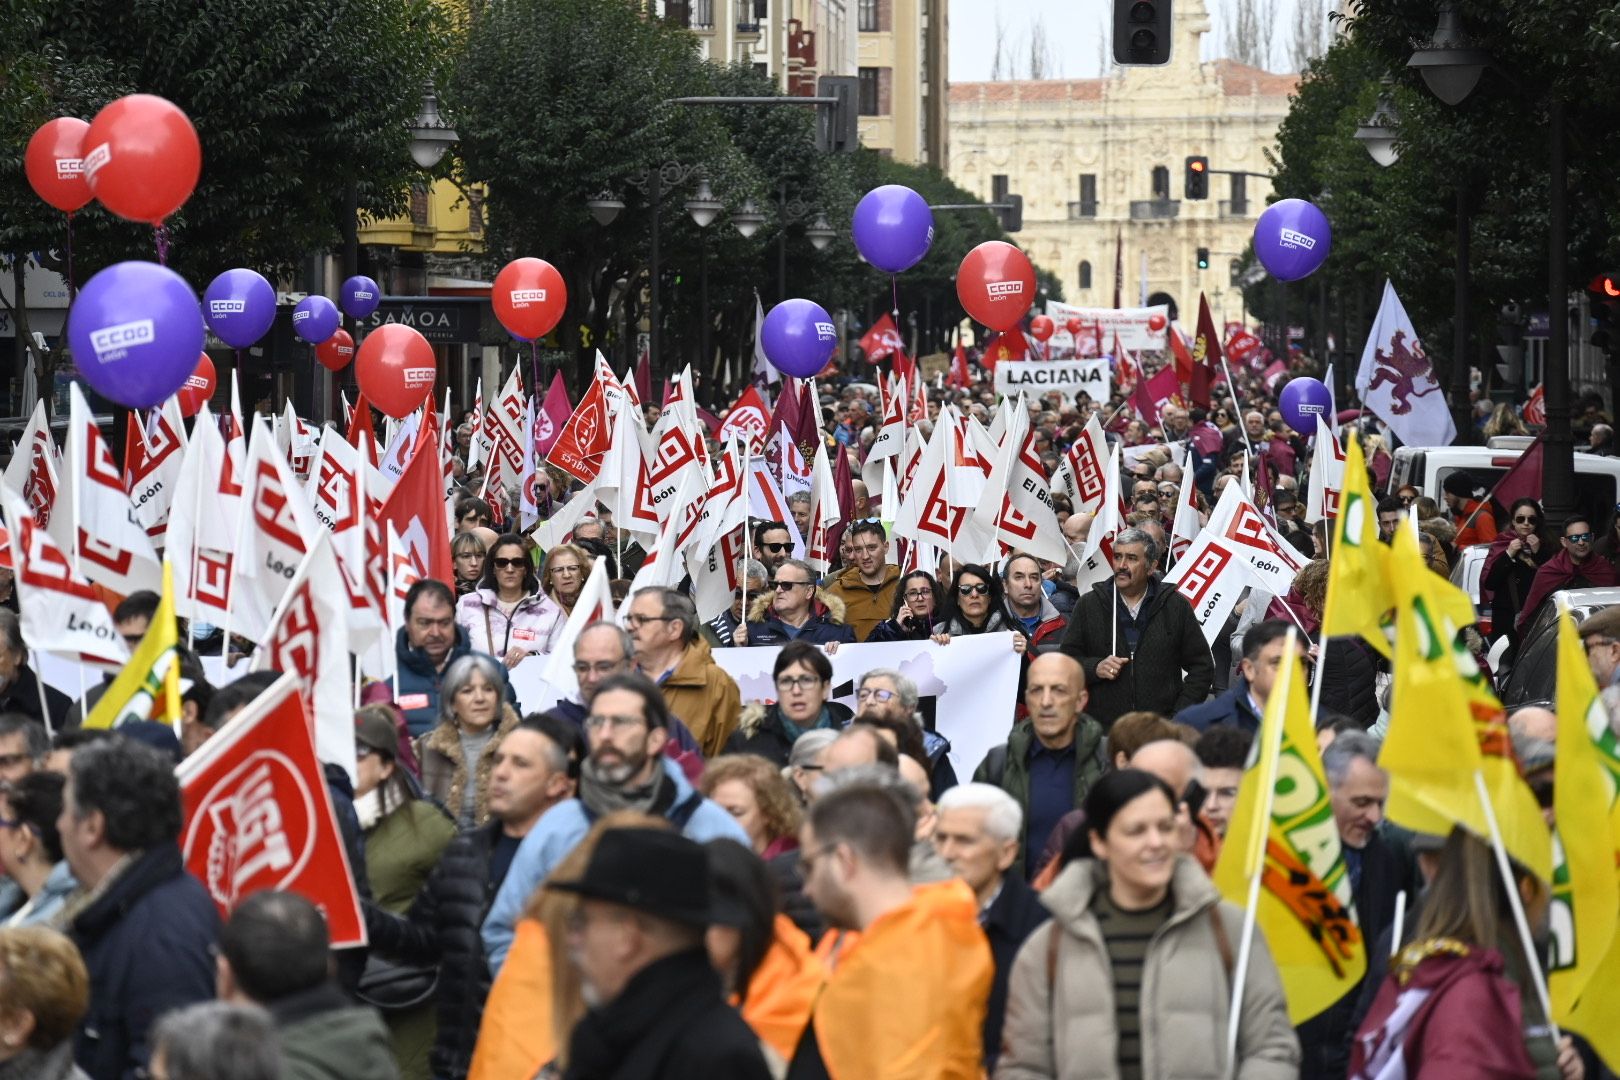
1534, 675
1466, 575
1597, 479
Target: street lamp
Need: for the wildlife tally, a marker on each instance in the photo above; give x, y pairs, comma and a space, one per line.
820, 234
1378, 133
748, 219
431, 134
704, 208
1449, 67
604, 207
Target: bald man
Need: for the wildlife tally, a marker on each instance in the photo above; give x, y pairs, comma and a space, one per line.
1174, 762
1534, 722
1051, 759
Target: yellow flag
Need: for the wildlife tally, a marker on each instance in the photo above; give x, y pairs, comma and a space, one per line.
1358, 592
149, 686
1585, 911
1445, 726
1305, 910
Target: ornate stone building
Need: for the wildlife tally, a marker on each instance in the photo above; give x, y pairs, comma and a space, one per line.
1100, 164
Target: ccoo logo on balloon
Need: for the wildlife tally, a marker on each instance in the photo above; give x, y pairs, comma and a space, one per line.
418, 376
826, 330
1295, 239
69, 168
1005, 290
525, 297
114, 342
218, 308
95, 159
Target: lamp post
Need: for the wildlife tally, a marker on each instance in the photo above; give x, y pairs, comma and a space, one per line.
704, 208
654, 183
790, 211
431, 134
1379, 132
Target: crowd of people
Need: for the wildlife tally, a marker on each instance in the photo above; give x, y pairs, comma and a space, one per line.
658, 878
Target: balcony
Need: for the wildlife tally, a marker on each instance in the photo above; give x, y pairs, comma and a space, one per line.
1237, 208
1154, 209
1078, 210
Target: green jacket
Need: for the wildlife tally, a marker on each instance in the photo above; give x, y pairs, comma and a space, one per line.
401, 851
1007, 767
324, 1036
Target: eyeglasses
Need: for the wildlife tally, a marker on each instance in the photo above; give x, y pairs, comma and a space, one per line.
635, 622
361, 750
508, 564
967, 589
784, 586
601, 667
1526, 521
867, 693
797, 682
596, 722
565, 569
919, 594
1580, 537
775, 549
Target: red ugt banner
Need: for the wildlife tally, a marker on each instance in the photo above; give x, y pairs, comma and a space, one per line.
259, 816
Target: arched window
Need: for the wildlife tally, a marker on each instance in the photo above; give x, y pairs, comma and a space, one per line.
1085, 275
1161, 182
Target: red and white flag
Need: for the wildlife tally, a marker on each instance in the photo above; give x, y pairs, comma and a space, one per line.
416, 509
152, 452
1327, 476
297, 440
725, 508
1025, 521
258, 814
1080, 472
345, 502
401, 444
33, 470
588, 434
748, 420
276, 528
1184, 526
1535, 408
506, 433
553, 414
203, 522
1269, 560
664, 565
1212, 576
882, 339
824, 511
60, 611
112, 547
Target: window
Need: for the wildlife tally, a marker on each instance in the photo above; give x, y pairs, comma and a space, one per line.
1161, 182
678, 13
1240, 194
867, 16
868, 101
1085, 276
1088, 194
703, 14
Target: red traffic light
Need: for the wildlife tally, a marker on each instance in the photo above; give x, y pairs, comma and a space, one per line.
1607, 285
1199, 165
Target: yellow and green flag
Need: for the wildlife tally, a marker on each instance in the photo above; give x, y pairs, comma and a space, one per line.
149, 686
1445, 725
1583, 972
1358, 592
1306, 911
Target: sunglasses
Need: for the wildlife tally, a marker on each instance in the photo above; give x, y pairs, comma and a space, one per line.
1580, 538
775, 549
784, 586
981, 589
509, 564
1526, 521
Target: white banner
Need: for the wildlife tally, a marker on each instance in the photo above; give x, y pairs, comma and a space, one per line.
973, 682
1135, 326
1036, 377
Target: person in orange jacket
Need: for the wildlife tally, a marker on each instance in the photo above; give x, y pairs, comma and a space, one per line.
906, 999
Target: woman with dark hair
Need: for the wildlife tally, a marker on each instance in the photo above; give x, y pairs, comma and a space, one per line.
31, 848
508, 616
1511, 564
915, 601
803, 677
1137, 959
764, 961
1458, 1001
975, 604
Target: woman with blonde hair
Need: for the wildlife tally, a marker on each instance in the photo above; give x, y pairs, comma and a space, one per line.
563, 577
467, 552
752, 790
473, 715
44, 993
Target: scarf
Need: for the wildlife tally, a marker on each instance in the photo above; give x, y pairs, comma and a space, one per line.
1561, 572
602, 797
32, 1064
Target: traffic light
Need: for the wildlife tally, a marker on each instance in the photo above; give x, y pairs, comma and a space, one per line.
1141, 31
837, 130
1603, 296
1197, 182
1203, 258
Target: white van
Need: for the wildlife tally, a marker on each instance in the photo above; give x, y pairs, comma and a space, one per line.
1597, 479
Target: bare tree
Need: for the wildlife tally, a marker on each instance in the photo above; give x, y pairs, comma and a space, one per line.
1249, 28
999, 60
1310, 33
1041, 65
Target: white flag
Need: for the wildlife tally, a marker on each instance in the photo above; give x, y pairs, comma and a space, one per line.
111, 544
59, 610
1271, 561
32, 473
1397, 381
1212, 575
154, 466
273, 536
1327, 476
595, 603
764, 371
203, 523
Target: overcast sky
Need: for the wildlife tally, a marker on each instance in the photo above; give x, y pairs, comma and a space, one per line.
1079, 27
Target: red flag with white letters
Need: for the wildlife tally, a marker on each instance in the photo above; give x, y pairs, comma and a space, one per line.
416, 510
258, 814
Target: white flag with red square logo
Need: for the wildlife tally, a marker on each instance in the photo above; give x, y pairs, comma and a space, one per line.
111, 545
59, 610
203, 522
33, 470
274, 534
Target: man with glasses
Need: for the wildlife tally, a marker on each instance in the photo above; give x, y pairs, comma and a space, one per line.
626, 770
797, 614
1600, 633
1577, 566
663, 624
719, 631
887, 699
773, 545
867, 586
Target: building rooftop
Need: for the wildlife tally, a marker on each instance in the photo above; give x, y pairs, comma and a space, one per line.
1237, 80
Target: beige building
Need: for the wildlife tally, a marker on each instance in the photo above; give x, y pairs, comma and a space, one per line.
792, 41
903, 77
1101, 163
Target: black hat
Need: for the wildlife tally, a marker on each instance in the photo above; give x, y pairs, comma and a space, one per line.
652, 870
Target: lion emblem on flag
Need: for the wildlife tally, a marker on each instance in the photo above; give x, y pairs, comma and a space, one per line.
1403, 368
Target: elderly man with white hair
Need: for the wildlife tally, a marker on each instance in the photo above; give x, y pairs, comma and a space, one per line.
976, 832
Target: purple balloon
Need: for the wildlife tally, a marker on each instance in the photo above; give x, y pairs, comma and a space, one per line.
239, 305
1302, 401
799, 337
315, 319
1291, 239
893, 228
359, 297
136, 331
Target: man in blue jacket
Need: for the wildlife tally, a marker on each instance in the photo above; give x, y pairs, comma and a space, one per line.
148, 929
1264, 646
424, 648
626, 770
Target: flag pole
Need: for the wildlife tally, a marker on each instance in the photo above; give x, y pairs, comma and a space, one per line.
44, 706
1255, 857
1511, 887
1398, 924
1230, 385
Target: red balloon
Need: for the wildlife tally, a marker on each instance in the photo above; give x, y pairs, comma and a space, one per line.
529, 298
336, 351
198, 387
396, 368
1072, 324
1041, 328
55, 163
1156, 322
142, 158
996, 284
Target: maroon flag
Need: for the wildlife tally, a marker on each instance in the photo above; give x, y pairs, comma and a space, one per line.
1523, 478
1152, 395
844, 485
554, 413
1206, 353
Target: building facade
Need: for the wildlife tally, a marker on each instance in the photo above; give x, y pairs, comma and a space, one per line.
903, 79
1101, 163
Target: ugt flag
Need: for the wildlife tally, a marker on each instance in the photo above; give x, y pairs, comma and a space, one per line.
1396, 380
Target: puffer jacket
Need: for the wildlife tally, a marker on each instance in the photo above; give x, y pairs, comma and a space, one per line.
864, 605
533, 625
417, 684
765, 732
1060, 1006
444, 773
442, 927
825, 624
